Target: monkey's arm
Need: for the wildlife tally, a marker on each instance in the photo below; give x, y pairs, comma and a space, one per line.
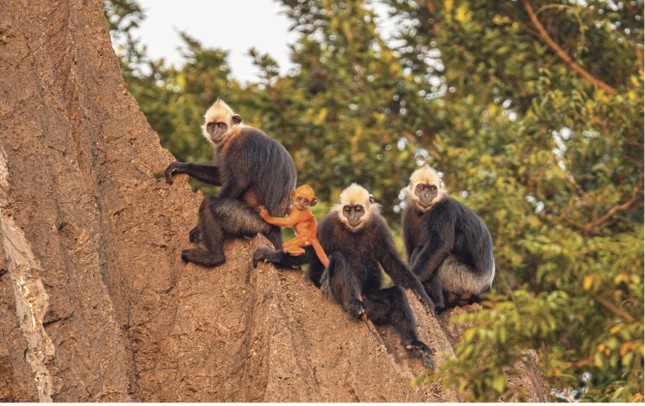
429, 258
400, 273
205, 173
439, 244
279, 221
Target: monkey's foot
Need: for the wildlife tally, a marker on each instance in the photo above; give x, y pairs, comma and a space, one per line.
419, 348
195, 236
412, 344
261, 254
202, 258
356, 309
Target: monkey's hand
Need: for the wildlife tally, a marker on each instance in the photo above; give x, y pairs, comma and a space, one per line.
172, 170
264, 213
423, 296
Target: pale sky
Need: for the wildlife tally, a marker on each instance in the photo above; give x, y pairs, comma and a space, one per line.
231, 25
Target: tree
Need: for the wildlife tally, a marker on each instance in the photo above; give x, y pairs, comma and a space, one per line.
543, 136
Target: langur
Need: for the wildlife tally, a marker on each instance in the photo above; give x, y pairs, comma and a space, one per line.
303, 222
252, 169
449, 247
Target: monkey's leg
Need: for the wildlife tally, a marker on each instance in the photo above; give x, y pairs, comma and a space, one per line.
295, 245
391, 306
280, 259
435, 291
457, 281
212, 235
219, 217
237, 218
275, 236
339, 283
413, 255
194, 235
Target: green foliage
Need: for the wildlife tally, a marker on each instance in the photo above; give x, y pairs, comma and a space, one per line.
544, 143
554, 165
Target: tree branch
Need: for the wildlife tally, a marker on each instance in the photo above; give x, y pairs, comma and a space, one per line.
613, 309
562, 54
431, 8
624, 206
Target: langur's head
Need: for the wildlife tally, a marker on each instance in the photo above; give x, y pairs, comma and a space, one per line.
303, 197
356, 207
424, 190
219, 120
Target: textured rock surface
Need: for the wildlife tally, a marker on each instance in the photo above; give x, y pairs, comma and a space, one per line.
95, 304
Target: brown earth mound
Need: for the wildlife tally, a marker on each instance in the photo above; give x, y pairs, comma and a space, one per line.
95, 303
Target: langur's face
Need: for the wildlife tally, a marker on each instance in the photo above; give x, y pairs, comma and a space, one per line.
303, 197
218, 121
425, 189
356, 206
354, 215
426, 193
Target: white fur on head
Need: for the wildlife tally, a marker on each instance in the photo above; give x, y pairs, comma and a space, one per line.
428, 176
353, 195
219, 111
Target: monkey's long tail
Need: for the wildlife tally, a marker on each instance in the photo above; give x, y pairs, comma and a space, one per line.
320, 252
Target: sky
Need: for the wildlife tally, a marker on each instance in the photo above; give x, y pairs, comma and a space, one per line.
231, 25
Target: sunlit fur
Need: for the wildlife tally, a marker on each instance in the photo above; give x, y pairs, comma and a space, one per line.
220, 111
428, 176
354, 195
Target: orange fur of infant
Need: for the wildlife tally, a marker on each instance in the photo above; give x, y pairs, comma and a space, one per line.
303, 222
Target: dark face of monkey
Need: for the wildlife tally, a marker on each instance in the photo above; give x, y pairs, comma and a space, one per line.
356, 207
219, 120
354, 214
217, 129
424, 190
426, 193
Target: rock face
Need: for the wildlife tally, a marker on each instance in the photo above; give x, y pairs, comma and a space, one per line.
95, 303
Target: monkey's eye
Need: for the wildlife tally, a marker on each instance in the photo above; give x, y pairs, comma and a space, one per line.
220, 125
358, 208
432, 188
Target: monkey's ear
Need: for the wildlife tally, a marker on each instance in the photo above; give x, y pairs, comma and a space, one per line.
293, 195
314, 201
236, 119
372, 199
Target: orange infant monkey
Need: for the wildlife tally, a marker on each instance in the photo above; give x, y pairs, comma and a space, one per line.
303, 222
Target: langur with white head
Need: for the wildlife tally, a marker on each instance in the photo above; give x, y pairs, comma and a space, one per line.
252, 169
449, 246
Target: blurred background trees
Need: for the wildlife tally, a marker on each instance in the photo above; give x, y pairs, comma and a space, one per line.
531, 110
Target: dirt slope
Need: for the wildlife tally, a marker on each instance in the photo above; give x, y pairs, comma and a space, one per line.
95, 304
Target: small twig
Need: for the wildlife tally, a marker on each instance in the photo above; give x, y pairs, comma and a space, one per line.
431, 8
613, 309
624, 206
